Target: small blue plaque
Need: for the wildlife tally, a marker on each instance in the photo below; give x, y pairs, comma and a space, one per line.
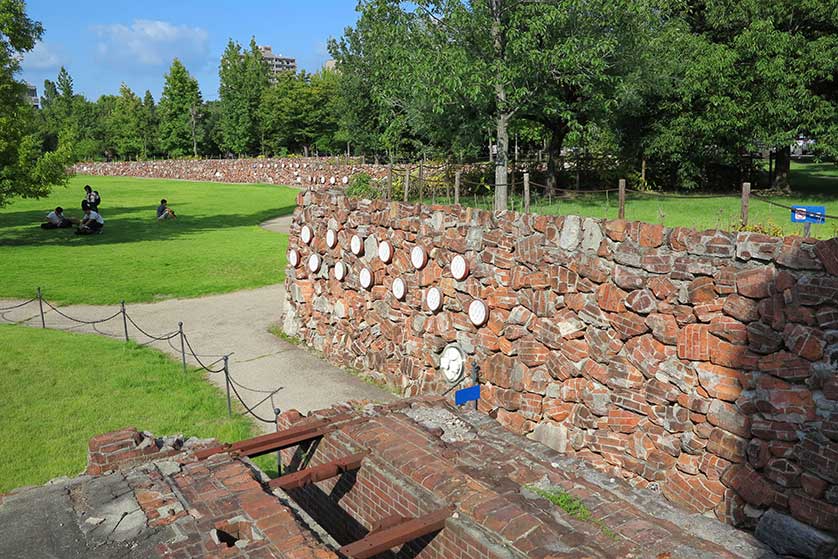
808, 214
467, 395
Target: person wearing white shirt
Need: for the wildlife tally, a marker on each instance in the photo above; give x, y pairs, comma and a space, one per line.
57, 220
92, 223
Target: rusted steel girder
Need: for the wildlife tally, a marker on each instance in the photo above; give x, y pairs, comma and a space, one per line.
318, 473
397, 534
264, 444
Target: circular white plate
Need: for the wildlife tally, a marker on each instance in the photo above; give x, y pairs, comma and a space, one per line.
478, 313
356, 245
434, 299
459, 267
399, 289
366, 278
419, 257
331, 238
452, 364
294, 258
385, 251
306, 234
340, 271
314, 262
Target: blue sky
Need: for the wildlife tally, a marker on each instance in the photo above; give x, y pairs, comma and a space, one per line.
103, 44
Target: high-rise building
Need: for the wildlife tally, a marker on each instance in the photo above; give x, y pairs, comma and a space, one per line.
276, 62
32, 95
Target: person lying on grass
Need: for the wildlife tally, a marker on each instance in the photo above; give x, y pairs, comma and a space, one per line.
91, 223
164, 211
57, 220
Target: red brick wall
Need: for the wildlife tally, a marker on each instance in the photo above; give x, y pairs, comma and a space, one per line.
700, 361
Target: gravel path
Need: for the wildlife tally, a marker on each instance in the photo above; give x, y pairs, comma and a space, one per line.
236, 323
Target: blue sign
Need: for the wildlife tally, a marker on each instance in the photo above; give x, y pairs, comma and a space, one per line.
808, 214
467, 395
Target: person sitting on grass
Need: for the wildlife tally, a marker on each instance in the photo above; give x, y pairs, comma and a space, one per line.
92, 223
56, 220
164, 211
91, 199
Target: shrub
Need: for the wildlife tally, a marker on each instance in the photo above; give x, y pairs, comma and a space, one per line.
362, 185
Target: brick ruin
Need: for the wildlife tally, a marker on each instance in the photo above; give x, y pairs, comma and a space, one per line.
295, 171
698, 363
164, 497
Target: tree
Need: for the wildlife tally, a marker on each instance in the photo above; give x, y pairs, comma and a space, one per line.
179, 112
149, 130
25, 170
243, 79
124, 125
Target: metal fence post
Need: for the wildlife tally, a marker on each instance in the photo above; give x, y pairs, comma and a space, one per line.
457, 176
41, 306
475, 376
278, 411
124, 320
182, 345
227, 382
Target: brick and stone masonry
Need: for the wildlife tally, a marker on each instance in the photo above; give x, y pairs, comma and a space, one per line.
698, 363
294, 171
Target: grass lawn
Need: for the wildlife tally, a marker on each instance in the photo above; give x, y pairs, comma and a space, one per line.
63, 388
812, 184
215, 245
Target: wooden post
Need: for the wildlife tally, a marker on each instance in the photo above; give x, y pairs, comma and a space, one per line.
526, 193
390, 179
622, 211
746, 198
406, 182
421, 182
457, 176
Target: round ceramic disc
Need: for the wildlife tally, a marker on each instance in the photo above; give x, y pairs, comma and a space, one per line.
418, 257
314, 262
306, 234
331, 238
434, 299
340, 271
459, 267
293, 257
399, 289
385, 251
357, 245
478, 313
366, 278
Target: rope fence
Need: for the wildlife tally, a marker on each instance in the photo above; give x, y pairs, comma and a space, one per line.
211, 368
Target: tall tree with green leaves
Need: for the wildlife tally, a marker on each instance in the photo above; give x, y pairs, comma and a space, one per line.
149, 126
125, 124
243, 79
179, 112
25, 170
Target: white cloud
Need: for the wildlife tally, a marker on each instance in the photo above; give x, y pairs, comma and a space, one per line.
151, 43
42, 57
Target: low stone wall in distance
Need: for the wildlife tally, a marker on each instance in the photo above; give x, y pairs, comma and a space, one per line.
699, 363
290, 171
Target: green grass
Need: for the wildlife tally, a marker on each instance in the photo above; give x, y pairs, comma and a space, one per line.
572, 506
215, 245
60, 389
814, 184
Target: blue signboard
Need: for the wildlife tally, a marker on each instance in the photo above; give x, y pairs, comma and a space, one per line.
467, 395
808, 214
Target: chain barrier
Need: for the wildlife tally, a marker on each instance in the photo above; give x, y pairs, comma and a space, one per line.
808, 213
168, 337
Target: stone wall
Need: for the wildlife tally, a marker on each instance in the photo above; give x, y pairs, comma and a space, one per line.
291, 171
700, 363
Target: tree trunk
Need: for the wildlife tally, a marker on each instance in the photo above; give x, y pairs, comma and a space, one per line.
782, 168
554, 157
503, 114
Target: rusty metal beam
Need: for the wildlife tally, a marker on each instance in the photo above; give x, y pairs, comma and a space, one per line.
318, 473
387, 538
266, 443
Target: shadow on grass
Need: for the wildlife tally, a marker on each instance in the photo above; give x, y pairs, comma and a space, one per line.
124, 229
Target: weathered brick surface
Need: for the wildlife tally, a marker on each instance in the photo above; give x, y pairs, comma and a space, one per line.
424, 455
604, 337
